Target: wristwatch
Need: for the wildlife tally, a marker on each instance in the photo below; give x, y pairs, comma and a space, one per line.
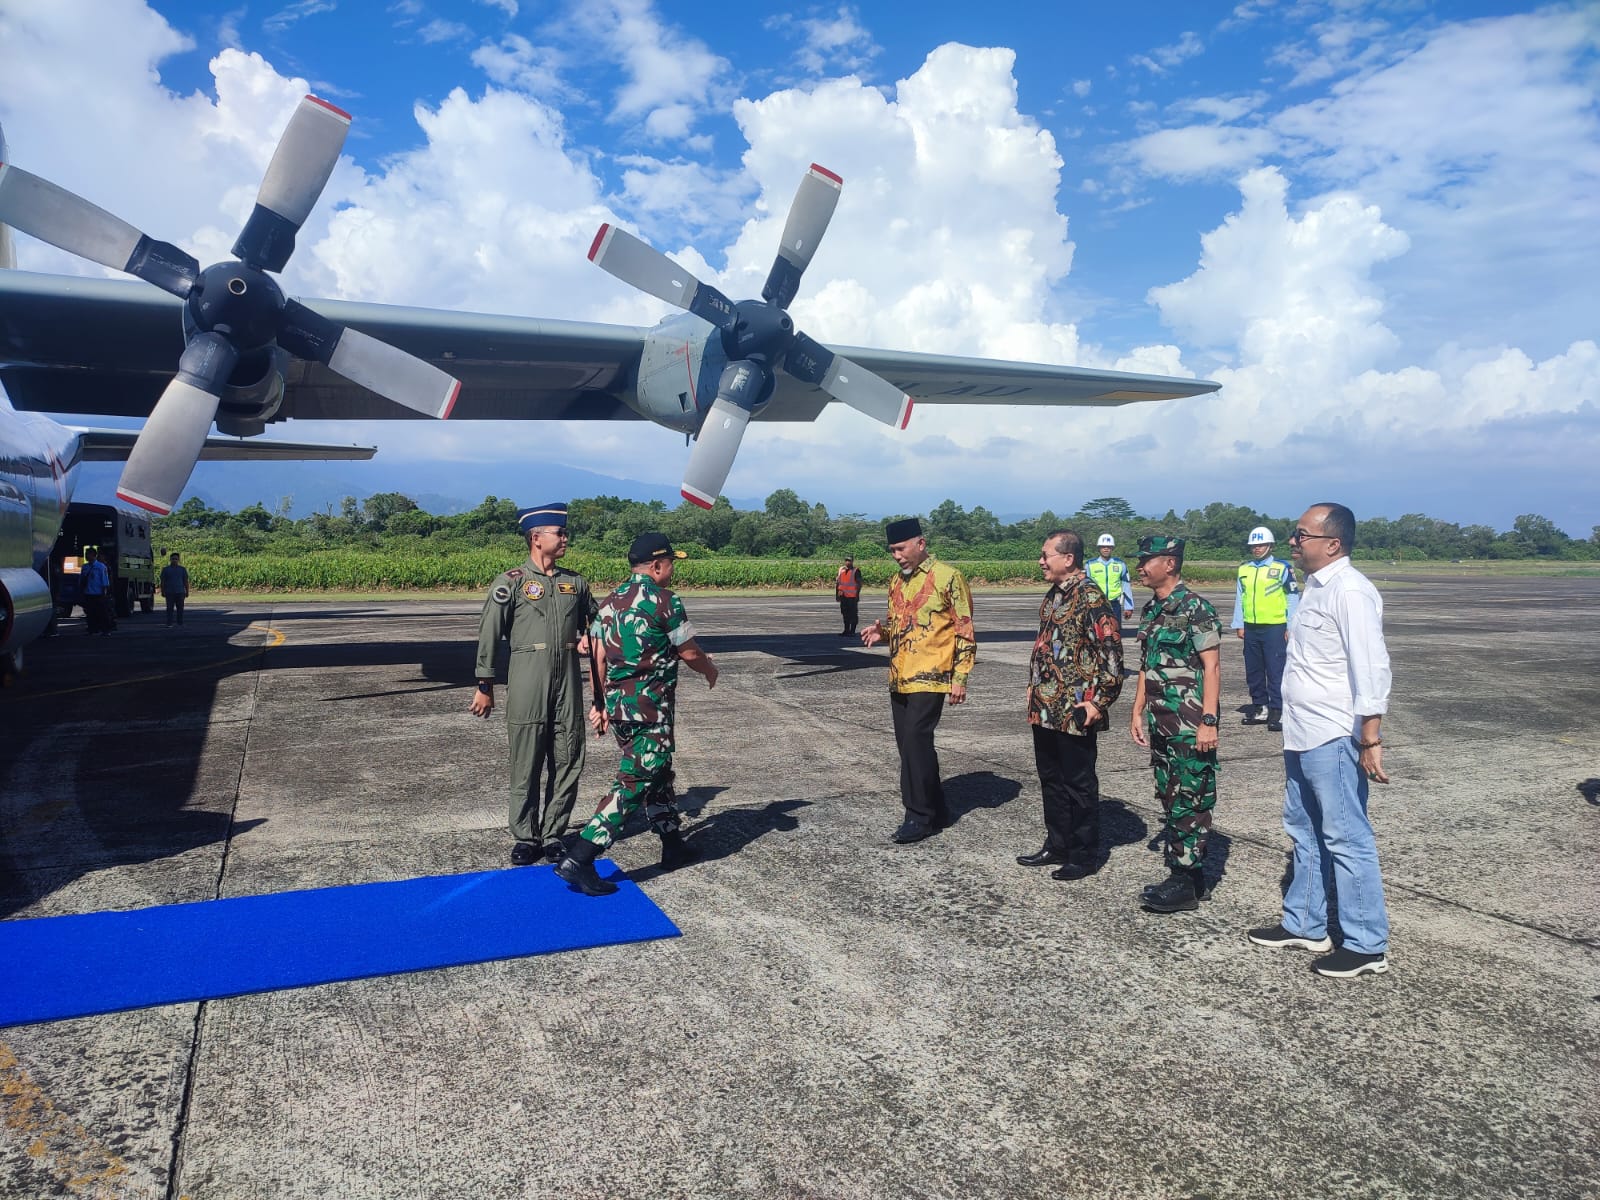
486, 686
1209, 720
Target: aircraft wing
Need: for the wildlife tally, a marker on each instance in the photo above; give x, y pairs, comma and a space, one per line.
114, 445
71, 344
947, 379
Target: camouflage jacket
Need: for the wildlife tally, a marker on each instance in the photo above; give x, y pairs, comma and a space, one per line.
1077, 656
1172, 633
931, 643
640, 627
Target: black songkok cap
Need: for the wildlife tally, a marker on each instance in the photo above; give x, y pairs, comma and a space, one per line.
903, 530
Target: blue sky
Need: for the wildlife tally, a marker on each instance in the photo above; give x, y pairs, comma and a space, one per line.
1375, 224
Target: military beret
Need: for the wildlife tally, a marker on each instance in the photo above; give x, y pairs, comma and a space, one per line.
903, 530
1154, 544
553, 515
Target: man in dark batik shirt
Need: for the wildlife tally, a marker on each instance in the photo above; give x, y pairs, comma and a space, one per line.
1074, 677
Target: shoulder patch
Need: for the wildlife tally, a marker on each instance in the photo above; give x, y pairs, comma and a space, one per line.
514, 574
501, 594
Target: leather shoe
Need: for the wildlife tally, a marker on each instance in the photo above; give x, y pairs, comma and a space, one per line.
1046, 855
524, 853
1274, 720
555, 850
1073, 870
910, 831
1175, 894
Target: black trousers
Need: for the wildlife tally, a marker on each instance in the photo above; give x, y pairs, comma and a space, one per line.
1071, 792
916, 716
849, 608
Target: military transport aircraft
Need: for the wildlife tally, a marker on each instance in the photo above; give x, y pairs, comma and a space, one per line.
248, 356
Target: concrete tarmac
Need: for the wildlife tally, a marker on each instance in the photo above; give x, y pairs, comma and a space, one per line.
842, 1017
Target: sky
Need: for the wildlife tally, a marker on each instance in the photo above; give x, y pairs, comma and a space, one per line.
1377, 225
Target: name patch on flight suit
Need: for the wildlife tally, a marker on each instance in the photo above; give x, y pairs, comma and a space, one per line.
567, 589
533, 589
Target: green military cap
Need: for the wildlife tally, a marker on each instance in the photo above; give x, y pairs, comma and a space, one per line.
1155, 543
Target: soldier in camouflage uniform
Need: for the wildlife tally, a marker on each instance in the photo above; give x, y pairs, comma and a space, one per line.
543, 611
642, 632
1175, 715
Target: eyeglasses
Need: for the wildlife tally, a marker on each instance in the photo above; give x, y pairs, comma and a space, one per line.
556, 533
1300, 535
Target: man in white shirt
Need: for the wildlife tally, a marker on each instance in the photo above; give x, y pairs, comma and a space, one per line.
1335, 692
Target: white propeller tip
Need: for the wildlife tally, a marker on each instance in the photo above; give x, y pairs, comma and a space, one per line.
455, 393
333, 108
597, 247
905, 413
146, 502
699, 498
825, 174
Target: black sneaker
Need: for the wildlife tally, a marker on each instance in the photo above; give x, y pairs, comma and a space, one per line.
1347, 964
1256, 715
1277, 936
1274, 720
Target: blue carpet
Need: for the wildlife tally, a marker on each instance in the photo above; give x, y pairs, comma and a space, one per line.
57, 967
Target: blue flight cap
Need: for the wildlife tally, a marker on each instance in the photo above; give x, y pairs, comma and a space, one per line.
554, 515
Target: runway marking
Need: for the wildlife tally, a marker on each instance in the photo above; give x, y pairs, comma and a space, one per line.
55, 1140
275, 638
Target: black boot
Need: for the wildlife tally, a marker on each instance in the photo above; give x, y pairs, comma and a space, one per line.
1175, 894
676, 851
1274, 720
577, 868
1202, 889
1046, 856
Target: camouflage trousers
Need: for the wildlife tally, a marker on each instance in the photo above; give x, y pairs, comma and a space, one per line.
644, 776
1186, 785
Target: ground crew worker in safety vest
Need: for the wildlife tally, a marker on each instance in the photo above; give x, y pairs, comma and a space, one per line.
1263, 601
847, 591
1110, 575
543, 611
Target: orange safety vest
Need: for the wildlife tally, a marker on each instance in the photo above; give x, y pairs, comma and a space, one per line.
849, 584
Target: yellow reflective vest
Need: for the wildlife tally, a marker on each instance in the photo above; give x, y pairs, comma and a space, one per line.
1108, 574
1265, 588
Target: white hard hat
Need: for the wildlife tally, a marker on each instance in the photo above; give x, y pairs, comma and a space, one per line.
1261, 536
1106, 540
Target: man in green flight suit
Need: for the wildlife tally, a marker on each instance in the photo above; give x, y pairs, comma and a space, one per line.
642, 632
544, 612
1175, 716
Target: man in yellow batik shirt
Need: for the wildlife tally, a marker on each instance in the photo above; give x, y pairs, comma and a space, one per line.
931, 652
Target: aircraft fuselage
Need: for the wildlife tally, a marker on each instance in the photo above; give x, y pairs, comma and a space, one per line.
38, 470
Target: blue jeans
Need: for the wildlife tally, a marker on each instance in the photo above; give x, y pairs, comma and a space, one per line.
1325, 815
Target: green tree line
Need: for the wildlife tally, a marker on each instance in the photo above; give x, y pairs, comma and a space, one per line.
787, 527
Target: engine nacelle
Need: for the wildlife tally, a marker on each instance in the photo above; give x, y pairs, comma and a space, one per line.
679, 370
25, 607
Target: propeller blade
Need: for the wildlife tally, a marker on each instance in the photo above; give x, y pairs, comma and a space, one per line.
811, 361
808, 220
402, 377
306, 155
52, 214
163, 458
713, 453
646, 268
743, 385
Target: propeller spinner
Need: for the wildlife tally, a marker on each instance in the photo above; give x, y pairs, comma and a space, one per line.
757, 335
231, 310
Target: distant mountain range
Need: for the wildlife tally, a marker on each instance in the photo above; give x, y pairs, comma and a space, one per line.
441, 488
